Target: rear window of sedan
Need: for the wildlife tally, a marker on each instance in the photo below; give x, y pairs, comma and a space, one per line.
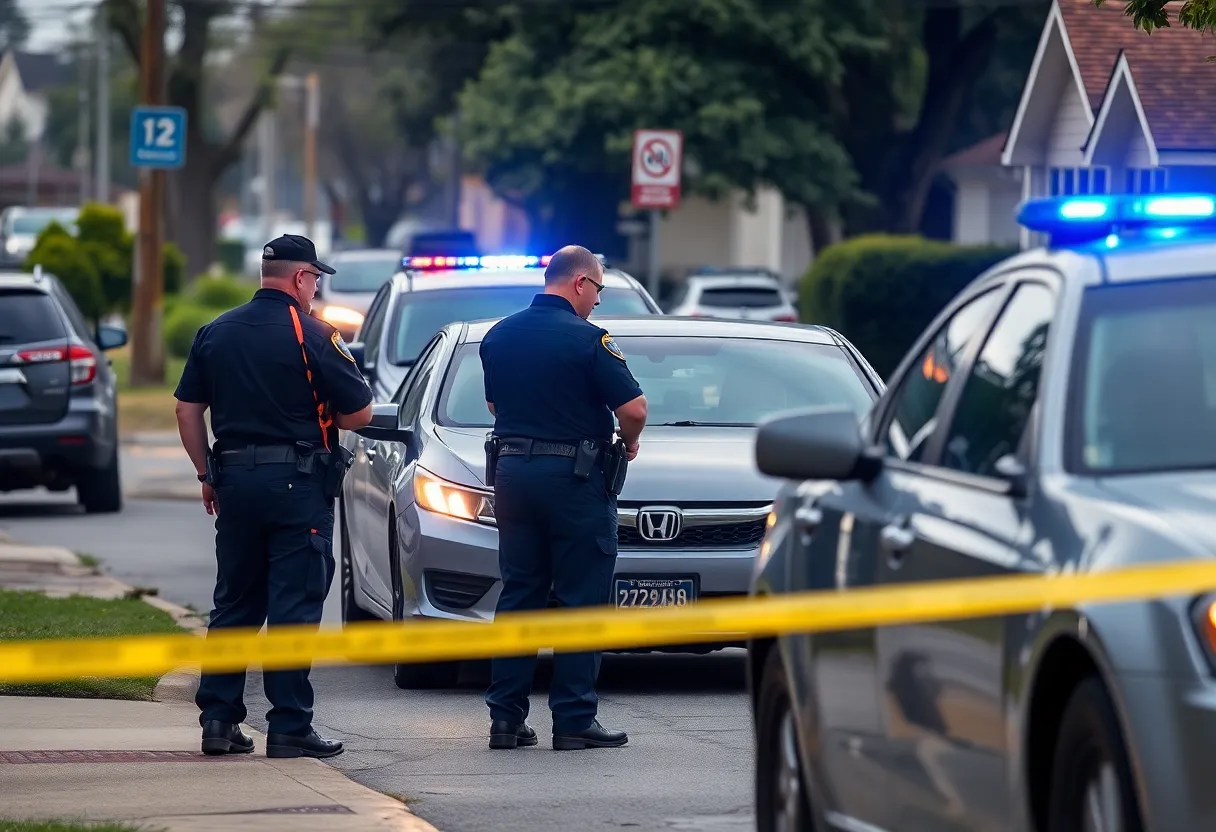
732, 382
743, 297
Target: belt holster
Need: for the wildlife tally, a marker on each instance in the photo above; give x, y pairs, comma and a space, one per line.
616, 464
586, 454
492, 448
213, 469
306, 457
334, 467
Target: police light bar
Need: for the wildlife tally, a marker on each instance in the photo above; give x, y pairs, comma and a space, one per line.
1092, 217
488, 261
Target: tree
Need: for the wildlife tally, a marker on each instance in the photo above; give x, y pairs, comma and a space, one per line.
209, 153
14, 26
1155, 14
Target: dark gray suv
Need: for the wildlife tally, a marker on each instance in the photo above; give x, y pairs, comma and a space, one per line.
58, 404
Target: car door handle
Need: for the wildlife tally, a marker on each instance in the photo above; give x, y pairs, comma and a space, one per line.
370, 450
896, 539
808, 518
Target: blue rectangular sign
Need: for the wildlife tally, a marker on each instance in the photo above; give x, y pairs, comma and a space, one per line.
158, 137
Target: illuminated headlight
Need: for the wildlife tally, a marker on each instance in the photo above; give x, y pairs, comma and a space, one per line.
341, 316
1203, 616
13, 246
766, 548
443, 497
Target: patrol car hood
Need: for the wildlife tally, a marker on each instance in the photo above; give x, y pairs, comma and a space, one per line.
678, 465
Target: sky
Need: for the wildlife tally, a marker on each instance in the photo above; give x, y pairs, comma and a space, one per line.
51, 19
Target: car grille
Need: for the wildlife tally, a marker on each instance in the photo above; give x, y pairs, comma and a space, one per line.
455, 590
725, 536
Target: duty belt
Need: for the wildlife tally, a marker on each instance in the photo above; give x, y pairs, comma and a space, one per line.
532, 447
259, 455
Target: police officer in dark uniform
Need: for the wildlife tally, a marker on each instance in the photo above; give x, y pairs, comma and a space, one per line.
280, 383
553, 382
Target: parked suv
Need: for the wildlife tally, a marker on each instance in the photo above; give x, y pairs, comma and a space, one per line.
745, 295
58, 425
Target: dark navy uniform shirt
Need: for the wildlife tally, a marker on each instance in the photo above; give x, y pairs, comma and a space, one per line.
554, 376
247, 366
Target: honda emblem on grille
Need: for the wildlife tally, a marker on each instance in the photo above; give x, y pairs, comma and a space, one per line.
659, 524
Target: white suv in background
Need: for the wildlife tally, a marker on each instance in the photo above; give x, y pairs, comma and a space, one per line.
751, 296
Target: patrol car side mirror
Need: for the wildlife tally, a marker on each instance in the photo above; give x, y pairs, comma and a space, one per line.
822, 443
385, 425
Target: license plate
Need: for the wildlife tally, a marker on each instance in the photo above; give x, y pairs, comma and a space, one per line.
655, 592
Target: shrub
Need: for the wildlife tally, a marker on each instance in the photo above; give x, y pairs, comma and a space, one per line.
231, 255
174, 268
220, 293
62, 256
182, 323
881, 291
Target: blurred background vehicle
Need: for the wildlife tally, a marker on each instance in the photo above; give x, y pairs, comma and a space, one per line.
744, 295
428, 294
20, 227
58, 406
418, 536
344, 296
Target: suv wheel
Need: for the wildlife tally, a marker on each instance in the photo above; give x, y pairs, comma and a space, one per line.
100, 490
781, 799
351, 611
1091, 780
415, 675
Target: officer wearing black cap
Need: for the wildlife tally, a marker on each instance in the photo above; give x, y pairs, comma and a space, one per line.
279, 383
553, 382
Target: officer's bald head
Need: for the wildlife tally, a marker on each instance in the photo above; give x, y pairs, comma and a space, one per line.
571, 262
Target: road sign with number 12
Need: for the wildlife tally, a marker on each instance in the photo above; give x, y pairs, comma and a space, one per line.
158, 137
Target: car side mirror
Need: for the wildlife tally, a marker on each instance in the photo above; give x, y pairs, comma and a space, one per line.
1013, 471
815, 444
385, 425
111, 337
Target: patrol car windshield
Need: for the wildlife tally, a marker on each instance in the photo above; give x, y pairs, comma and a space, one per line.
733, 382
362, 275
421, 314
1145, 399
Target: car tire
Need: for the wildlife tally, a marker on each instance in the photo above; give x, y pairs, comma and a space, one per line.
351, 611
415, 675
782, 803
99, 490
1091, 778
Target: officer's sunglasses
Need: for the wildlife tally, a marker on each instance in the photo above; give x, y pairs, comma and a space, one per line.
599, 287
316, 275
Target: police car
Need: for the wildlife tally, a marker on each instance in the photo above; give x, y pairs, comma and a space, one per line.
1058, 415
430, 292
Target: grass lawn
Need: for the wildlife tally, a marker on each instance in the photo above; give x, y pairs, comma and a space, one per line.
32, 616
145, 408
63, 826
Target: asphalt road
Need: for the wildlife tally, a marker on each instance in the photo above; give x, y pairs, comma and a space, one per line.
687, 766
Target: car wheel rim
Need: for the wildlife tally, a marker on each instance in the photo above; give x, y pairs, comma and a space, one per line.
789, 777
1101, 812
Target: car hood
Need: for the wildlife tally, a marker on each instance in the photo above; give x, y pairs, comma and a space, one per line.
1182, 502
679, 465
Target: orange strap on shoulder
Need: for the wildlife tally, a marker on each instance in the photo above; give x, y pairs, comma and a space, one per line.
322, 420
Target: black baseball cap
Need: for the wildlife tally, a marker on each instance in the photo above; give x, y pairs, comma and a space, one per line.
293, 247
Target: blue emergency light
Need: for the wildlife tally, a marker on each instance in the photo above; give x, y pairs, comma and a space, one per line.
487, 261
1086, 218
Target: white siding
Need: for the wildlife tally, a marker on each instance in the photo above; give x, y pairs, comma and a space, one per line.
756, 233
971, 223
796, 254
1137, 150
1070, 128
695, 234
1003, 201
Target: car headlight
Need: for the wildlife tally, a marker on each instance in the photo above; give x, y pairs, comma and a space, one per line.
342, 316
443, 497
766, 548
13, 246
1203, 616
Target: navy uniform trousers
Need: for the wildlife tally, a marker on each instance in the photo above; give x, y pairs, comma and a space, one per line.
274, 547
553, 532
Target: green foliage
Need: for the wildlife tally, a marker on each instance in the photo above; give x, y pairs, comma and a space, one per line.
174, 268
231, 255
1155, 14
182, 323
881, 291
219, 293
59, 254
103, 237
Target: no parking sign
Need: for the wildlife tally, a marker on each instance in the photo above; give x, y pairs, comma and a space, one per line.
657, 157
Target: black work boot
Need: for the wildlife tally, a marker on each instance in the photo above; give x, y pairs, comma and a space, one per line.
309, 745
505, 734
225, 738
593, 736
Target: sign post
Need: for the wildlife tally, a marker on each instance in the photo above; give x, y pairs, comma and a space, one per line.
657, 160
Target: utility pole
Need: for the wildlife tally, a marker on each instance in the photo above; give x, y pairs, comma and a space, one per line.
310, 152
266, 164
147, 347
101, 161
82, 125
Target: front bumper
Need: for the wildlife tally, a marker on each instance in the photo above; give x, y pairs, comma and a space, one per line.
450, 570
54, 454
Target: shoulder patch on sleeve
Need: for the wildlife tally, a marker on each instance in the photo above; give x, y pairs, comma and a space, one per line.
610, 345
340, 346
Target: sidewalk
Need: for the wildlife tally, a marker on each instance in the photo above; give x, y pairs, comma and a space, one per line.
155, 466
115, 760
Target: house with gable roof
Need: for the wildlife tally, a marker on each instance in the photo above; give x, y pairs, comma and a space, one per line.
1106, 108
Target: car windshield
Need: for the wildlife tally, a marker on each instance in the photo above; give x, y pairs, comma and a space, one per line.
1146, 396
420, 315
362, 275
698, 381
35, 222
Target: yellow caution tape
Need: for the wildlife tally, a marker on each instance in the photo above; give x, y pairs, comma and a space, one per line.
598, 628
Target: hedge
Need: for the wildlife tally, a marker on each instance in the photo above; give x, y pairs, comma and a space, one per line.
223, 292
182, 323
881, 291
